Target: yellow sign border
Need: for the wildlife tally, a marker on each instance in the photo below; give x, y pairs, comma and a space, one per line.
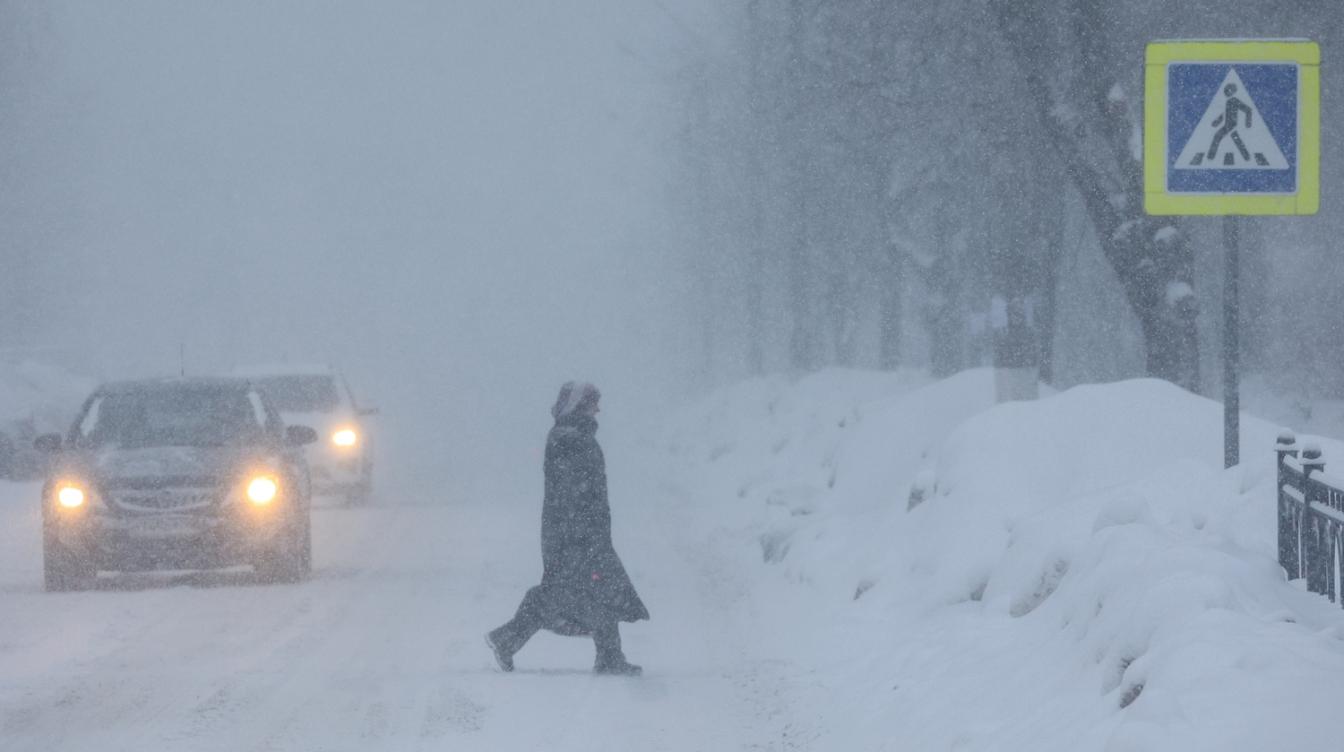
1156, 199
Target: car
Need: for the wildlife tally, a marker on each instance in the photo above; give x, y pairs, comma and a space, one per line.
35, 398
182, 473
9, 456
19, 461
318, 396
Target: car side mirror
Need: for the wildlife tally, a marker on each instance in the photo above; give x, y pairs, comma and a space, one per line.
48, 443
367, 411
300, 435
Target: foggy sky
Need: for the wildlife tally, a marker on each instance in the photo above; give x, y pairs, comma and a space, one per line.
458, 203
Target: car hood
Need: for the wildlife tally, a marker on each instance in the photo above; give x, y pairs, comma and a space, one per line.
186, 465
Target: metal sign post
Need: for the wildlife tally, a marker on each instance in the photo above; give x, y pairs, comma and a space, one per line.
1231, 343
1232, 128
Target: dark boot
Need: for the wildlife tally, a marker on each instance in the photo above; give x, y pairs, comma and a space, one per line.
610, 659
618, 667
498, 642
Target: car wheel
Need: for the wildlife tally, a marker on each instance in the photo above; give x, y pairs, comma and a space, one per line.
290, 560
62, 569
7, 458
306, 545
359, 494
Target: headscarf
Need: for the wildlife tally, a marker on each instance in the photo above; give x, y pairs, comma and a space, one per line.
573, 396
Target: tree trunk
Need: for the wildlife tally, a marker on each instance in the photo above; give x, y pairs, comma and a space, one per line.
802, 342
842, 301
758, 195
1052, 226
1155, 268
889, 301
756, 313
801, 347
945, 325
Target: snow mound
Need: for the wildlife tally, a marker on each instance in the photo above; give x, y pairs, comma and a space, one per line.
1074, 573
1092, 451
776, 441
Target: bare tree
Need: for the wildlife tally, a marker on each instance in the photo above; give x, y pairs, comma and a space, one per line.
1091, 127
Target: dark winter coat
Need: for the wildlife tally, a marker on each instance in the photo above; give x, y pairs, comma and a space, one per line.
583, 583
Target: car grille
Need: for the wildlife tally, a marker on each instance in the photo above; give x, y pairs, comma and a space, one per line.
165, 499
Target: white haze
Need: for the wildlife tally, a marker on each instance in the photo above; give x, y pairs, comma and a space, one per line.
458, 203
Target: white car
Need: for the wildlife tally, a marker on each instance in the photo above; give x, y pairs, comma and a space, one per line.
35, 398
341, 462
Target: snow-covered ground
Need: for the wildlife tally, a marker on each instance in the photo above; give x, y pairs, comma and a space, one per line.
1076, 573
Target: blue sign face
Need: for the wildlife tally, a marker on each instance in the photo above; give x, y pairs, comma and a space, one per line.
1232, 128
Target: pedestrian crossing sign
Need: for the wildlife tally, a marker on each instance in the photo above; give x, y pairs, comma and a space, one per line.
1232, 127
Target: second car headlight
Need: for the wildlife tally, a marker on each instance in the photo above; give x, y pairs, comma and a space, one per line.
262, 490
345, 437
70, 496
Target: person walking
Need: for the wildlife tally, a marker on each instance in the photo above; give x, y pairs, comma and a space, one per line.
584, 589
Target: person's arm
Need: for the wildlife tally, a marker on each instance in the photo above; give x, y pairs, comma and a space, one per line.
566, 478
590, 520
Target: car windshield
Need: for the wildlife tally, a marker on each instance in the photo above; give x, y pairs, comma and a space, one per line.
300, 394
170, 417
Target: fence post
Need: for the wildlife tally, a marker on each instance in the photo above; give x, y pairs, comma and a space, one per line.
1312, 531
1289, 528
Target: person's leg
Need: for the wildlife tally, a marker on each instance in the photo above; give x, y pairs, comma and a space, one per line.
607, 640
610, 659
1217, 141
1241, 146
510, 638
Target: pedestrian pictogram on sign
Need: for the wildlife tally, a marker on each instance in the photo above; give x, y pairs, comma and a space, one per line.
1232, 135
1232, 127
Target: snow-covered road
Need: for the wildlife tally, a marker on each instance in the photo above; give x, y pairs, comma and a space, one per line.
383, 648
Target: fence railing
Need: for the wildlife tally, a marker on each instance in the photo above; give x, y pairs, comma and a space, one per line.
1311, 518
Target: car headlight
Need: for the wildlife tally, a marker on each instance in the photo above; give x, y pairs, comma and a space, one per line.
262, 490
345, 437
70, 496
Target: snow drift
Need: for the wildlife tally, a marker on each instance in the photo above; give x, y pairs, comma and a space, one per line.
1073, 573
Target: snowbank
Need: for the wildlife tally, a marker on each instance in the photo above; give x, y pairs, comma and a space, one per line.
1074, 573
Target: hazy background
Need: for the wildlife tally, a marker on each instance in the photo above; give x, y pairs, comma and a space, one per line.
463, 204
458, 203
945, 185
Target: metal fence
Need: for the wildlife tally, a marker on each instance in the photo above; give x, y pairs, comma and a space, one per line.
1311, 518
